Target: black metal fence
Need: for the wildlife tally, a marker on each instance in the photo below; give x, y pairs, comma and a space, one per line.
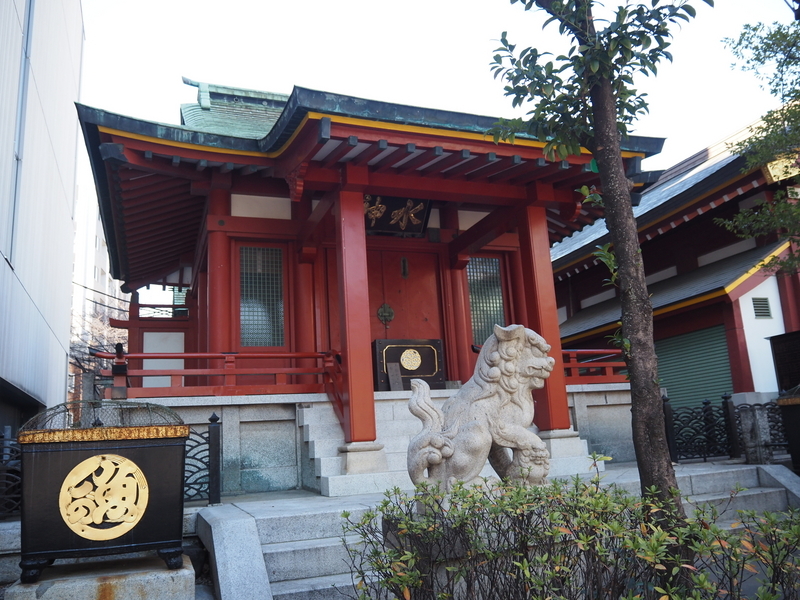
201, 481
714, 430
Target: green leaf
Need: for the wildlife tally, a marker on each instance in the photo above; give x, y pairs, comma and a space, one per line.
594, 65
690, 10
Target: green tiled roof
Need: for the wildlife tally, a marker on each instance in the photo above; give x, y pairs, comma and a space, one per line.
234, 112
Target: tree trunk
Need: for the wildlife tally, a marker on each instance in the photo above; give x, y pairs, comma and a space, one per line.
649, 433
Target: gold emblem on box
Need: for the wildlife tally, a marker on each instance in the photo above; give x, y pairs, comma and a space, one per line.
411, 359
103, 497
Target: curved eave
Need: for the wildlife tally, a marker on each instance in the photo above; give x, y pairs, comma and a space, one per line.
177, 134
303, 102
91, 137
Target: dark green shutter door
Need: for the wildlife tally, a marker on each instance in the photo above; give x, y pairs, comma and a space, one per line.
695, 366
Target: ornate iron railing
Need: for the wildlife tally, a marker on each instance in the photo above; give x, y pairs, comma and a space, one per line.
10, 478
700, 432
715, 430
201, 480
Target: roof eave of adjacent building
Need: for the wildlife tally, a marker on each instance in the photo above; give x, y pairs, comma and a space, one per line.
645, 219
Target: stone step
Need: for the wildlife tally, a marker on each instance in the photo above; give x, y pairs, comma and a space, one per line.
276, 529
329, 587
317, 414
720, 481
759, 499
364, 483
302, 559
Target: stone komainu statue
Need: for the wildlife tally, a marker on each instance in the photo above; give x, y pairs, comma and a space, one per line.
488, 416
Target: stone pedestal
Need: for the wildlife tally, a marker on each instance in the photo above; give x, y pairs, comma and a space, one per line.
122, 579
755, 435
569, 454
363, 457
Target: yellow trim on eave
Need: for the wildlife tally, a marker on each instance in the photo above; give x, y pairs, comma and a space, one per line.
417, 129
173, 144
710, 296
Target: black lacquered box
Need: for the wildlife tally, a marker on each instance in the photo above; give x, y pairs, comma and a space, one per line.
417, 359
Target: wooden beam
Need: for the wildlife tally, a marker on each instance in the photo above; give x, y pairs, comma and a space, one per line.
427, 156
518, 170
392, 159
570, 173
318, 214
314, 135
369, 153
497, 222
455, 158
163, 185
478, 162
555, 167
344, 148
120, 155
495, 167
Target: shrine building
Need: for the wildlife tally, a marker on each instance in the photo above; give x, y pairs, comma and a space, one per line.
331, 248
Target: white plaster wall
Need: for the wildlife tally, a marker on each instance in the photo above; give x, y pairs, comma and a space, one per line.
161, 341
757, 331
261, 207
36, 280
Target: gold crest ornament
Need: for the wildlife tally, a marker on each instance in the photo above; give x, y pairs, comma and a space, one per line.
103, 497
411, 359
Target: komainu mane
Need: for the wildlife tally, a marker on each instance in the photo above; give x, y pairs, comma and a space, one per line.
488, 416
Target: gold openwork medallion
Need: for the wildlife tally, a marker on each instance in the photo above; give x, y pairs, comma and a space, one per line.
103, 497
410, 359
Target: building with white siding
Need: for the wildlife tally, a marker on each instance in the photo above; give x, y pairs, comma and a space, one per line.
41, 42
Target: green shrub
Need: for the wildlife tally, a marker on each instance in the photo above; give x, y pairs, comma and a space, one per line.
563, 541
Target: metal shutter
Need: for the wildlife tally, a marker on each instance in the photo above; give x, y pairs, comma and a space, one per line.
695, 366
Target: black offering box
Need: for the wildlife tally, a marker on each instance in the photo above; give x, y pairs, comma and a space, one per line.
101, 478
418, 359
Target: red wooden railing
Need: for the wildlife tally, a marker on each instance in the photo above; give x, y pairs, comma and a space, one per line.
224, 378
594, 366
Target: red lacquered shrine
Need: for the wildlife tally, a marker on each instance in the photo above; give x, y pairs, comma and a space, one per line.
311, 222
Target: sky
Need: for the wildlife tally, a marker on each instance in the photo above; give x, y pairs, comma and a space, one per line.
427, 53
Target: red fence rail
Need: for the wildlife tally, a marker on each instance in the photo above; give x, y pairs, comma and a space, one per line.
317, 372
224, 374
594, 366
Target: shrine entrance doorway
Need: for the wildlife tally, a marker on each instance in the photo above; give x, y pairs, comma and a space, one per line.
405, 296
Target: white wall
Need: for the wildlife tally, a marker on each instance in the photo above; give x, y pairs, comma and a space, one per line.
161, 341
36, 273
757, 330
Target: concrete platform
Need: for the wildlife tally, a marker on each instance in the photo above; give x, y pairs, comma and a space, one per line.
136, 579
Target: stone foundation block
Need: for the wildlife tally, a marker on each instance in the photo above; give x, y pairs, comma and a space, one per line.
131, 579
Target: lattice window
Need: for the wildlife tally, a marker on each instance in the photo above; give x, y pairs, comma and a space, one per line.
261, 296
761, 308
485, 296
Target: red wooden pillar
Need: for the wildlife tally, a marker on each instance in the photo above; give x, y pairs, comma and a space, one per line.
219, 276
304, 313
789, 291
358, 397
462, 318
552, 411
741, 373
